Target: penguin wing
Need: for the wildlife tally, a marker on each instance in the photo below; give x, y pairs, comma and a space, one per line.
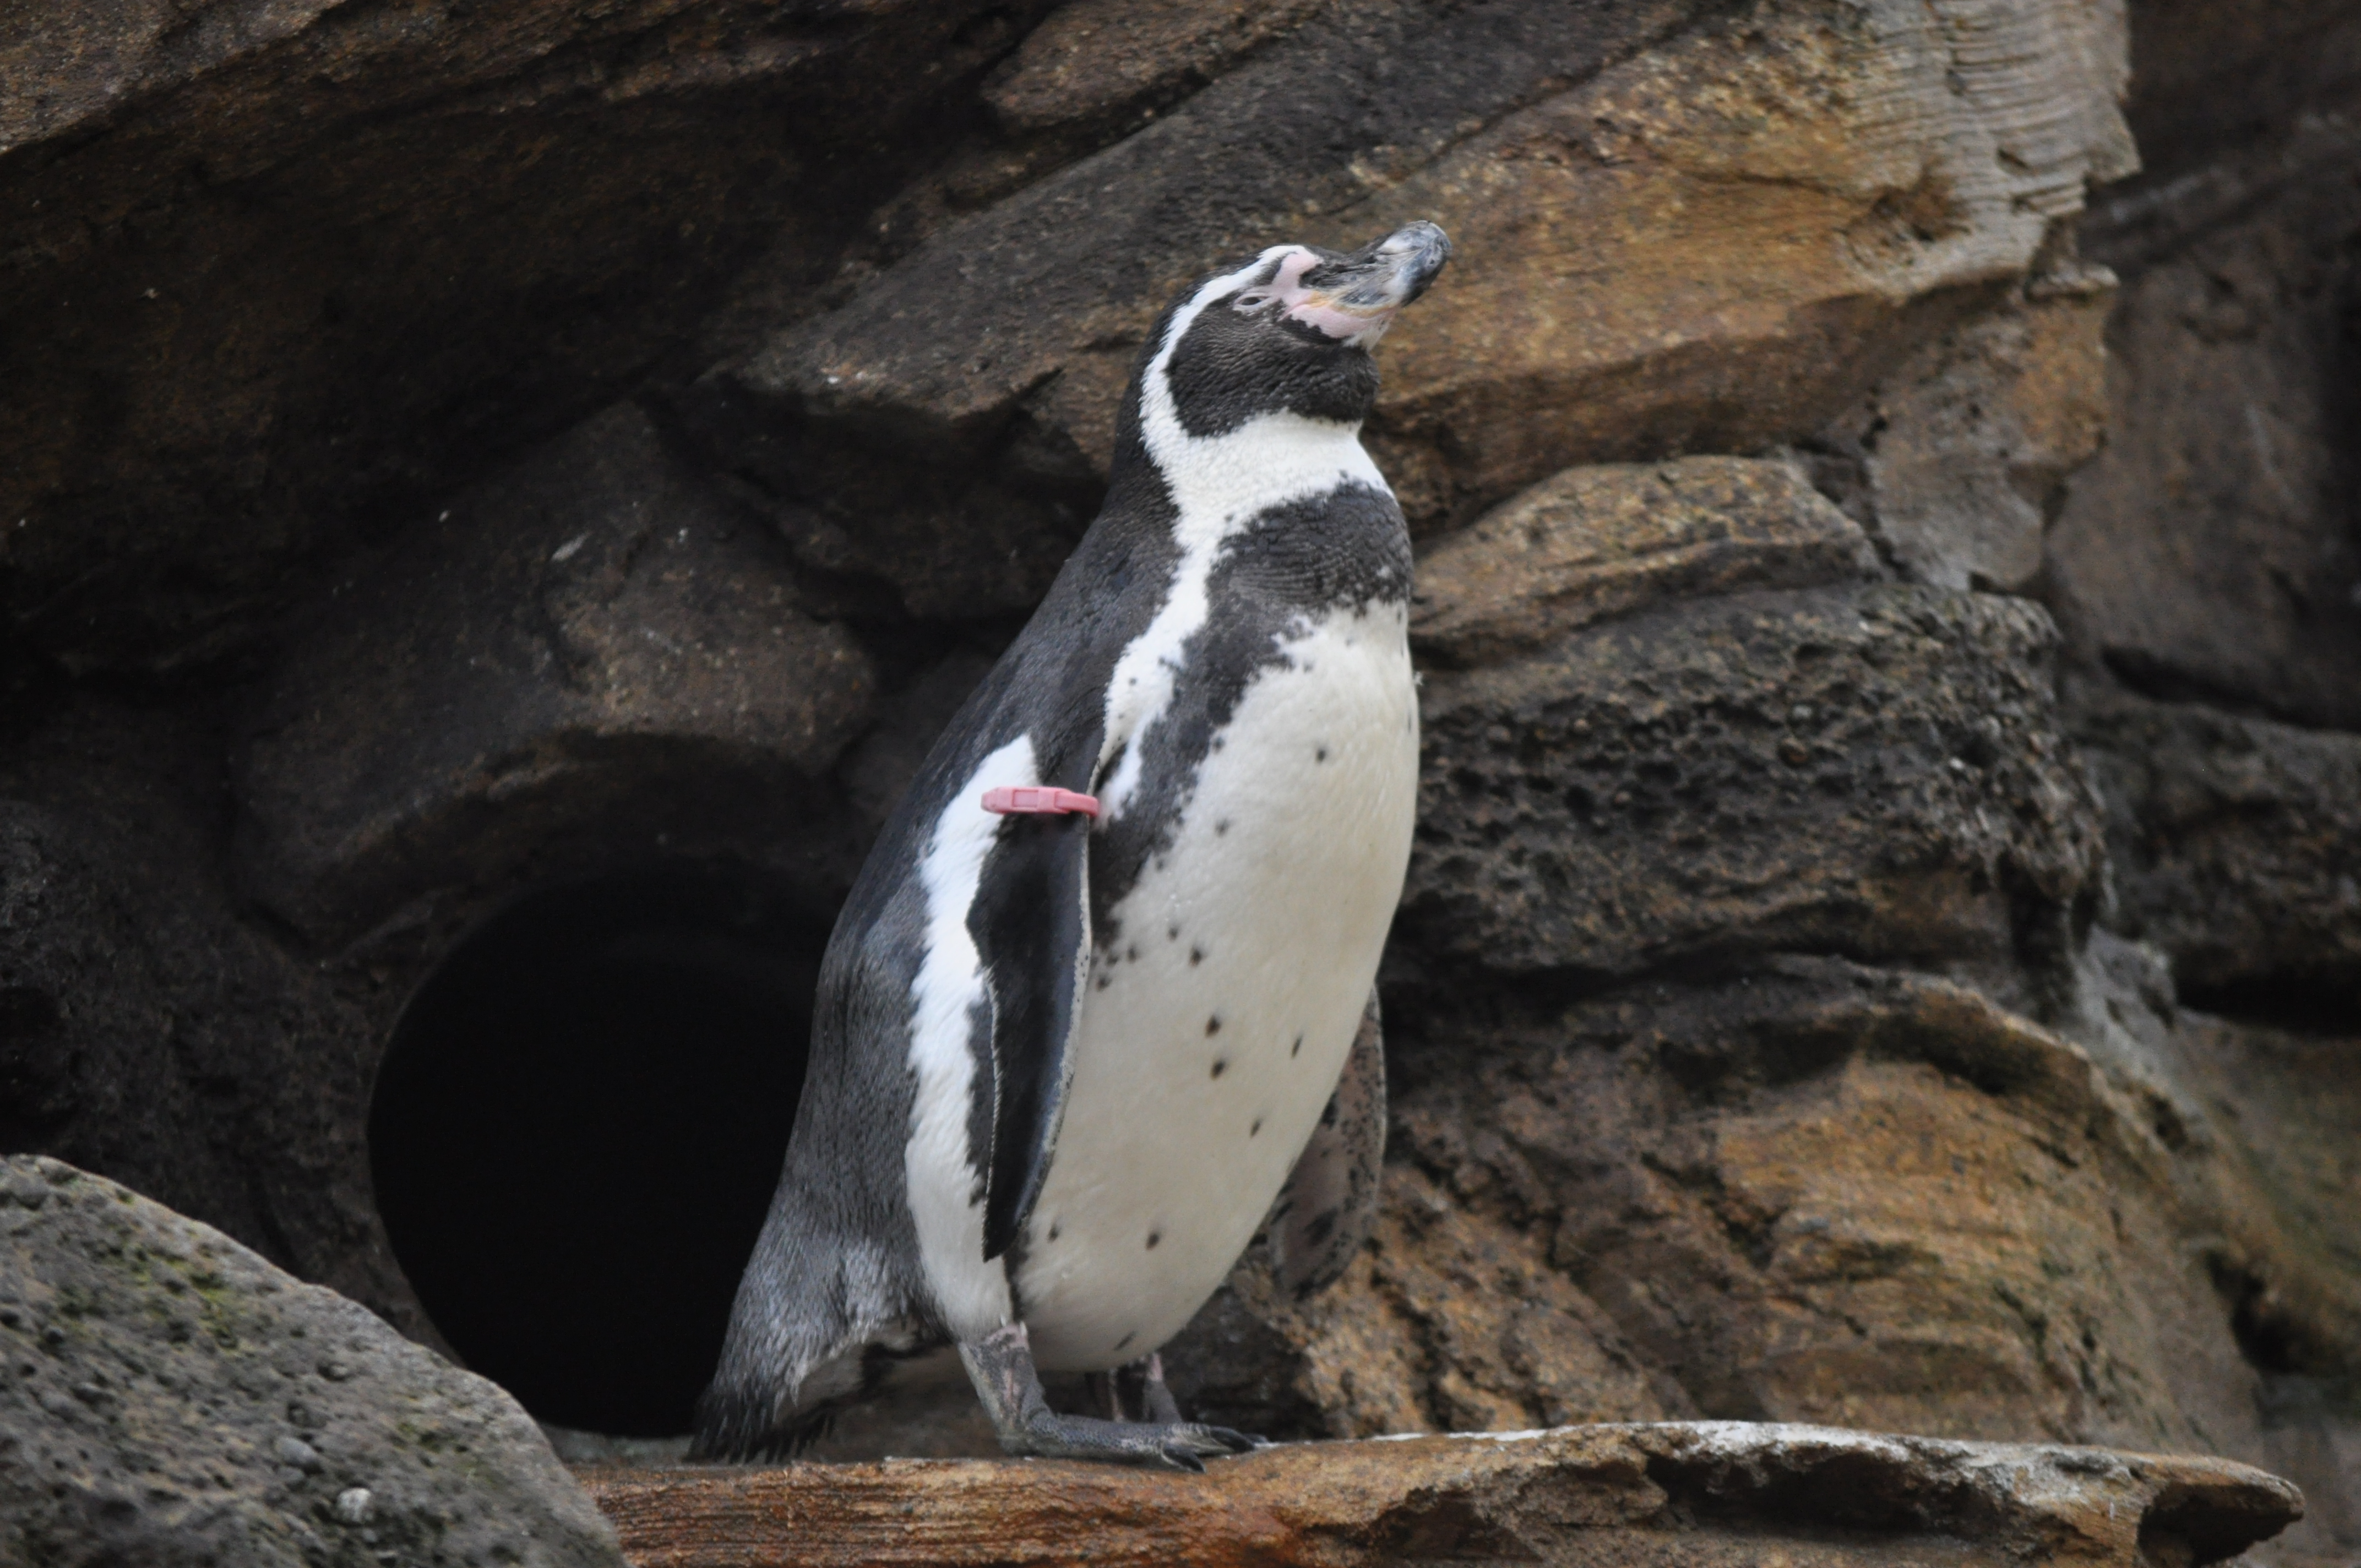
1325, 1210
1031, 922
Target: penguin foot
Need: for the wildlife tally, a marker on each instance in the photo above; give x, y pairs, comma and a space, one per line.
1178, 1445
1001, 1366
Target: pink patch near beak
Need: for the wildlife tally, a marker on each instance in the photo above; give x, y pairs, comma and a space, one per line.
1314, 308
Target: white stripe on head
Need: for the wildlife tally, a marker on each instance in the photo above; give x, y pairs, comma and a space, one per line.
1218, 485
946, 1189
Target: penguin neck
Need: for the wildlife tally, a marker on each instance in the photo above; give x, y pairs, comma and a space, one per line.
1216, 487
1218, 484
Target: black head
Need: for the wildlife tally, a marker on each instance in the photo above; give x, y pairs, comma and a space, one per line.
1290, 331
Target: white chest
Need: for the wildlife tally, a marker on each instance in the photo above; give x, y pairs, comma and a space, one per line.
1219, 1016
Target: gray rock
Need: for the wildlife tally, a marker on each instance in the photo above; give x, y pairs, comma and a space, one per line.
276, 274
597, 639
2236, 849
2208, 553
149, 1032
168, 1398
1875, 771
949, 426
1963, 450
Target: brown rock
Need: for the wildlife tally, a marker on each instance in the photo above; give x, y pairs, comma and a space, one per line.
1713, 240
1964, 449
1596, 542
1876, 770
2236, 849
1098, 58
1715, 244
1451, 1320
596, 639
1804, 1191
1715, 1494
953, 419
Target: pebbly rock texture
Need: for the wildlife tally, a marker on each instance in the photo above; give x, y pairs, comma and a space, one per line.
1808, 1191
1874, 771
1711, 1493
168, 1398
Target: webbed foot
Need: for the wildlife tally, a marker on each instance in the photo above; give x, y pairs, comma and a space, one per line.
1001, 1366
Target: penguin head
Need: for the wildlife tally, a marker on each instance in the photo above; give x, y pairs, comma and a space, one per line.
1290, 331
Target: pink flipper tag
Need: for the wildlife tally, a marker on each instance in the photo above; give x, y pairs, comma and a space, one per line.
1021, 801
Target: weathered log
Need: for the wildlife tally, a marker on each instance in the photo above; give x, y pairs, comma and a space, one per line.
1665, 1494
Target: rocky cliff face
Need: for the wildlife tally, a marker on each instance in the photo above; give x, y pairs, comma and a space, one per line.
1883, 947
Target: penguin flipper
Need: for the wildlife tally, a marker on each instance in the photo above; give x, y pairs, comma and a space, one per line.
1031, 922
1330, 1202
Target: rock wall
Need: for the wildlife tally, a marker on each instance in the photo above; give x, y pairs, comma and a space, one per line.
1882, 947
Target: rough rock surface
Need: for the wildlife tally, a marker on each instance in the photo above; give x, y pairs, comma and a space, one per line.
1910, 988
1778, 191
1961, 453
1713, 1493
2232, 842
1873, 771
169, 1397
1808, 1191
149, 1032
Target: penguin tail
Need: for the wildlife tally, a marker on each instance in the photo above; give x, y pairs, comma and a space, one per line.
735, 1425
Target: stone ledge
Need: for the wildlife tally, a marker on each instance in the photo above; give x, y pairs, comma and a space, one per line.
1719, 1493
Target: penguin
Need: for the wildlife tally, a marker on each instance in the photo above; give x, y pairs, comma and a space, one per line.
1101, 1002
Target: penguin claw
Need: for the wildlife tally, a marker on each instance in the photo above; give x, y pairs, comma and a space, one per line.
1165, 1446
1234, 1442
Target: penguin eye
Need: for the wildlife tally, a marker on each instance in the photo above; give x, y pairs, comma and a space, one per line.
1251, 301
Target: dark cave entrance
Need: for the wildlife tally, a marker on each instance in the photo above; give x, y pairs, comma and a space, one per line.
577, 1126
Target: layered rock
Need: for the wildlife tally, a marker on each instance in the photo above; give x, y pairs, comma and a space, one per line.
460, 453
1594, 543
1783, 198
169, 1396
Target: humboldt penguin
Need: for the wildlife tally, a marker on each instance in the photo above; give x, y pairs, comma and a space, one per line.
1102, 1001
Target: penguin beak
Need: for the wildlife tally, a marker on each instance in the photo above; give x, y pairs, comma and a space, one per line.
1355, 297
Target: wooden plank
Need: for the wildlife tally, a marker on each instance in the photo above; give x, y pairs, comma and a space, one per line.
1678, 1495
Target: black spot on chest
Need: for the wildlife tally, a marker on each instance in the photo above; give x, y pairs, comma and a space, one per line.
1342, 554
